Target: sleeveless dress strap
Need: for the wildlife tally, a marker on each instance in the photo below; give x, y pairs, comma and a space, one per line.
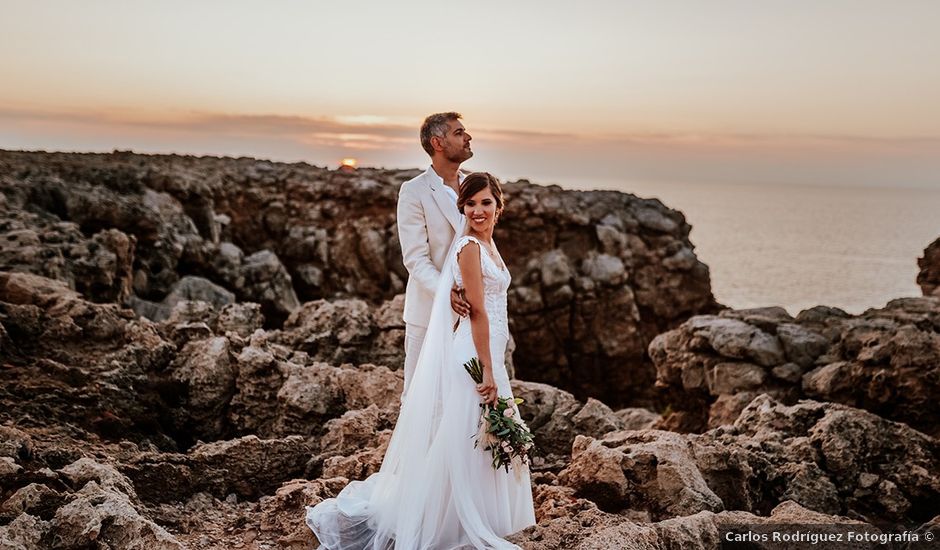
461, 243
464, 241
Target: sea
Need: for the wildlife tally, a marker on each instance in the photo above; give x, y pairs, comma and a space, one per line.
798, 246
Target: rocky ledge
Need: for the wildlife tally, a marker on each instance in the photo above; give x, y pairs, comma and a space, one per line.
885, 360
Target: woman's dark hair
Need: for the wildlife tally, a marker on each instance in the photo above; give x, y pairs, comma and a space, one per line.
476, 182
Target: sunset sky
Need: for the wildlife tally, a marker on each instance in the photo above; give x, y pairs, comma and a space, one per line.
821, 92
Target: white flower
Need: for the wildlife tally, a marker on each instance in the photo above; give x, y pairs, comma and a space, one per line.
508, 412
484, 438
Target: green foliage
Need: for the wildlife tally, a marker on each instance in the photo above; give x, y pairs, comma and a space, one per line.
502, 432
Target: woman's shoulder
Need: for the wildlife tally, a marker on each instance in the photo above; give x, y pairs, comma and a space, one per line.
474, 253
464, 240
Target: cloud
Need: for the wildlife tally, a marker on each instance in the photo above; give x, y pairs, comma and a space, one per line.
381, 141
375, 128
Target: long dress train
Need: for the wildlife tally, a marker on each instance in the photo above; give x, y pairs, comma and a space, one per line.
435, 491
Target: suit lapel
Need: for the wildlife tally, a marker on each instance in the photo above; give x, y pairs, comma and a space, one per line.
444, 202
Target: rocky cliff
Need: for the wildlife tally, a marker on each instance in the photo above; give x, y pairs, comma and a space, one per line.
596, 274
193, 349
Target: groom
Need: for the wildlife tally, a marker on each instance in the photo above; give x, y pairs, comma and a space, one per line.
427, 222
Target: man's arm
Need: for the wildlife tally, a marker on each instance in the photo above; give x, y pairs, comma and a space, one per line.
413, 236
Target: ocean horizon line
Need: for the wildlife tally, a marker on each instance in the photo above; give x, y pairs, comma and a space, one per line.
587, 183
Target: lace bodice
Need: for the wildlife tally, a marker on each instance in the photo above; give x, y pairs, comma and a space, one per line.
495, 285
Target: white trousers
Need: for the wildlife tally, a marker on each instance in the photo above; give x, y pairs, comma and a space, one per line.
414, 339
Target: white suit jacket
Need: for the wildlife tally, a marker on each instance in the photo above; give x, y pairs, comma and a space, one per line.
427, 222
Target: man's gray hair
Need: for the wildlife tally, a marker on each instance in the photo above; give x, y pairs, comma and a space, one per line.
435, 125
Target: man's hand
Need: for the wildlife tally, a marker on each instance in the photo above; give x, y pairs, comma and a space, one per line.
458, 303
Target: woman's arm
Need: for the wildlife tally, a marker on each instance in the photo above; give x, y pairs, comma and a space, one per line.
468, 258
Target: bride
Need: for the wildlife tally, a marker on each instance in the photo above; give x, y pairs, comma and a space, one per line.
434, 490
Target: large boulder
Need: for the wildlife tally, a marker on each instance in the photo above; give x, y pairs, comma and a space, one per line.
247, 466
204, 371
828, 457
652, 471
884, 360
929, 275
77, 362
283, 513
102, 516
99, 266
98, 508
34, 499
354, 444
596, 276
556, 417
23, 533
280, 392
587, 528
333, 331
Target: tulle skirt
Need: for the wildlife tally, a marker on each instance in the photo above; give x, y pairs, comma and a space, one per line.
461, 502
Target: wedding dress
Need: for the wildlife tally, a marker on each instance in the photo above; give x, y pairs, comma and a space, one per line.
434, 490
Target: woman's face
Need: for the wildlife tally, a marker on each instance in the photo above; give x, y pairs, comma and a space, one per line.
480, 210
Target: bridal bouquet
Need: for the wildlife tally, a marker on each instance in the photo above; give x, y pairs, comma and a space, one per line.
505, 436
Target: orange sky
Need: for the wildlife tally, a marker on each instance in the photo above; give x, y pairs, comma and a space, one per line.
838, 92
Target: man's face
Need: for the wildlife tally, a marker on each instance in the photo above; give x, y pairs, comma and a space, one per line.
456, 143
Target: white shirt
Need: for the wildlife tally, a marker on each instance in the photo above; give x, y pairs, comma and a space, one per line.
452, 193
450, 190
